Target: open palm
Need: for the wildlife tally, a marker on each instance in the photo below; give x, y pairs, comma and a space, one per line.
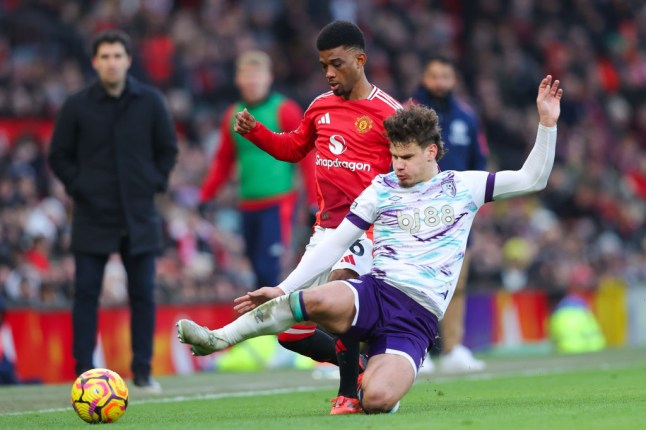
548, 101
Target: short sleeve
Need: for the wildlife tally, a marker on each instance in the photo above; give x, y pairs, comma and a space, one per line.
363, 211
481, 185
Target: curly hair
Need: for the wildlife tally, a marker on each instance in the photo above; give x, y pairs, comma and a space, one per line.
415, 124
340, 33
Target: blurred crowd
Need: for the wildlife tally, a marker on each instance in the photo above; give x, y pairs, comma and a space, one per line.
586, 227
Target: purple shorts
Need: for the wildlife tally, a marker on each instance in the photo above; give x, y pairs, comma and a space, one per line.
390, 321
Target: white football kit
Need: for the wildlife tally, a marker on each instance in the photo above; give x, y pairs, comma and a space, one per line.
421, 231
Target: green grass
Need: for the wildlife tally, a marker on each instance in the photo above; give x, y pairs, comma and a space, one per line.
596, 391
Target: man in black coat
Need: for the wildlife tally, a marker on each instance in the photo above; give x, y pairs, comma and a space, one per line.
113, 148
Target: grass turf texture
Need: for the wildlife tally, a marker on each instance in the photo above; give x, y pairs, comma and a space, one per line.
594, 391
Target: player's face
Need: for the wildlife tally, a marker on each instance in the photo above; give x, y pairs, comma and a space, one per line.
111, 63
343, 68
412, 164
439, 78
253, 81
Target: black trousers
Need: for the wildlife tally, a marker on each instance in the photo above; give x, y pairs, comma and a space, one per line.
140, 270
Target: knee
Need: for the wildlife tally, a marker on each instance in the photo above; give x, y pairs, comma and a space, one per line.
378, 401
316, 302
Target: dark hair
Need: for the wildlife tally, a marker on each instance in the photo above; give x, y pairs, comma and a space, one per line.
415, 124
439, 58
340, 33
112, 36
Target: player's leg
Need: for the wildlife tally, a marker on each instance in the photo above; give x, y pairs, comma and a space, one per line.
333, 310
347, 353
306, 339
386, 380
330, 304
393, 325
311, 341
455, 356
320, 346
87, 288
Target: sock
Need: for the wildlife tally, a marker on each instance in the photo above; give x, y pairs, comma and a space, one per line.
347, 353
318, 344
269, 318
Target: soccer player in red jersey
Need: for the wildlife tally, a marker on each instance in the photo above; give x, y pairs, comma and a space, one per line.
345, 126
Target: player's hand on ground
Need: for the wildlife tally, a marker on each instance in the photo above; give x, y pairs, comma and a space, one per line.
245, 122
253, 299
548, 101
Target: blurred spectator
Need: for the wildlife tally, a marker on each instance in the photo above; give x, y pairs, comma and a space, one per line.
573, 327
7, 354
266, 207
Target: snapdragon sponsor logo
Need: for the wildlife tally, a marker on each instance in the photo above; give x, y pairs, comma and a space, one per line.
337, 144
342, 164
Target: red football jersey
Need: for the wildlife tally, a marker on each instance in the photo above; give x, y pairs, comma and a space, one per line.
351, 147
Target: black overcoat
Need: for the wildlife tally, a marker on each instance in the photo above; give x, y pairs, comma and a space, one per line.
113, 155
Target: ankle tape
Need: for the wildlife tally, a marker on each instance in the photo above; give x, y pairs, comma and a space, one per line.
298, 307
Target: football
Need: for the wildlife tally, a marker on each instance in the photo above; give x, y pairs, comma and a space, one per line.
99, 396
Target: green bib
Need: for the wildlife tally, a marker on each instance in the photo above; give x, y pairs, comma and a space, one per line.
261, 175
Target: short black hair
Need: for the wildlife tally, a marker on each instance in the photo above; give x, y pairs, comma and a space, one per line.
112, 36
340, 33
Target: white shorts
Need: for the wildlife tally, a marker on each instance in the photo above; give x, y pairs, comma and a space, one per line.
357, 258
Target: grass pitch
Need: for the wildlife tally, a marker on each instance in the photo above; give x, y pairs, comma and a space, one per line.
605, 390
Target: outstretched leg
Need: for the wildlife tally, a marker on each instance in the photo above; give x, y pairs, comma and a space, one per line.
331, 305
269, 318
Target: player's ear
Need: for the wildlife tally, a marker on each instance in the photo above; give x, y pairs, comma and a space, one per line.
431, 152
361, 59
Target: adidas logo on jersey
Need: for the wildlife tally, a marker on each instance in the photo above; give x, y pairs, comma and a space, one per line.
348, 259
324, 119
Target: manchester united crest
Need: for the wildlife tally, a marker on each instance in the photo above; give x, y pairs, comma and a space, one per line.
363, 124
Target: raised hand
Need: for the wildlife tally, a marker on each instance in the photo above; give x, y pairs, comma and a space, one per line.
253, 299
548, 101
245, 122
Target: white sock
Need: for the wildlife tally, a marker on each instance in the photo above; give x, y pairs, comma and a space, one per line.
272, 317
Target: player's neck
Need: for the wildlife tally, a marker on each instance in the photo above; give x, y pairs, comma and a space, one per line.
361, 91
432, 172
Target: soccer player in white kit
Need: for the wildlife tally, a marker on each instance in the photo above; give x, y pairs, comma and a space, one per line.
421, 221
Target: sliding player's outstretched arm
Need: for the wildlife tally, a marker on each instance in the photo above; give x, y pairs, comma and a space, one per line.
533, 175
311, 266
